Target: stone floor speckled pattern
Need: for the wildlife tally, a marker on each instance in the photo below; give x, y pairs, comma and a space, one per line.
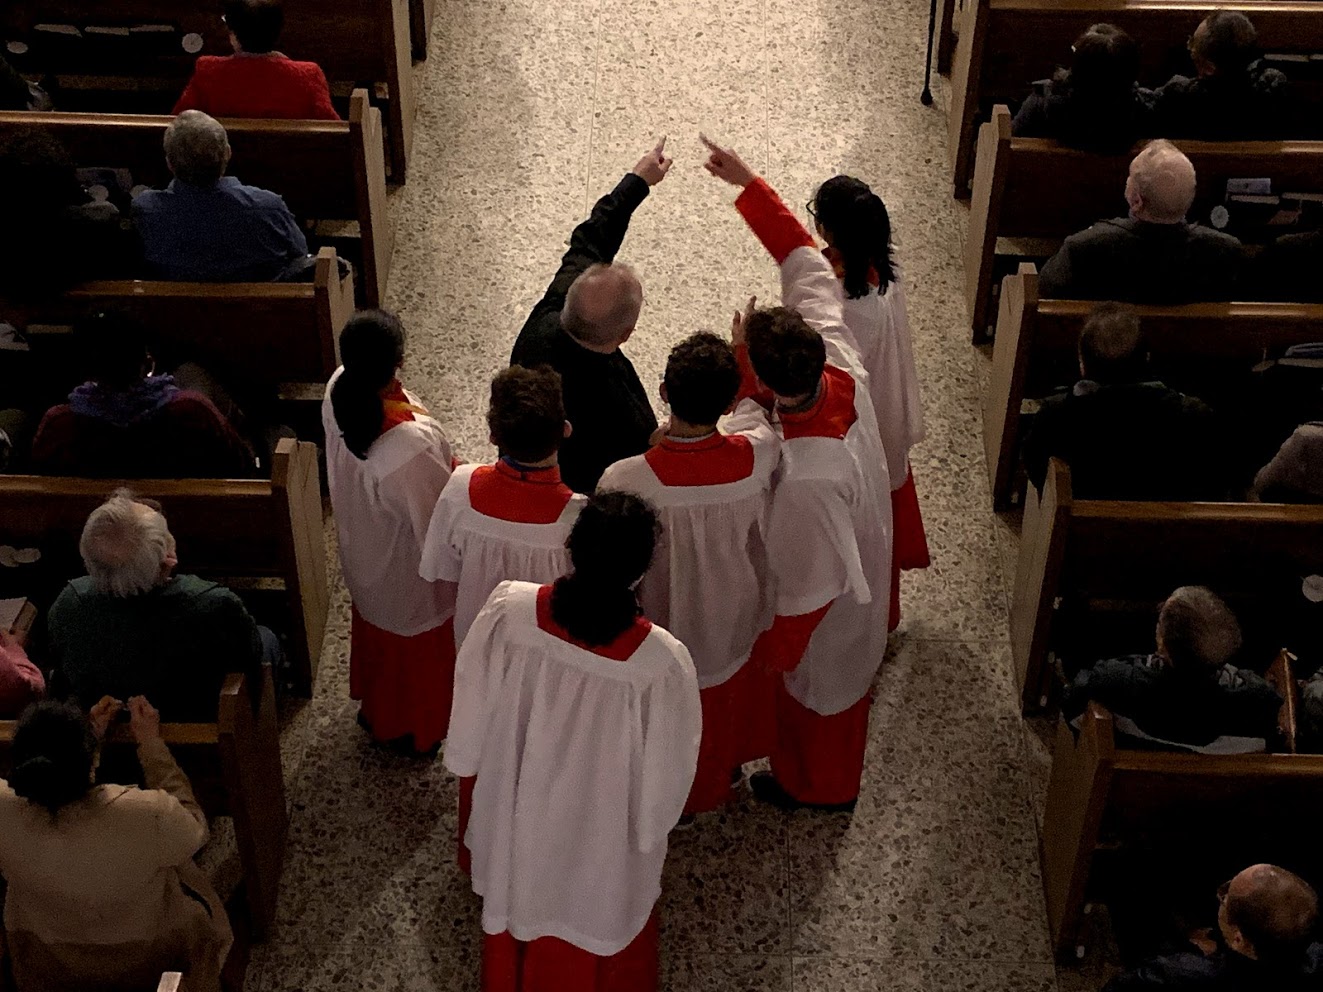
528, 110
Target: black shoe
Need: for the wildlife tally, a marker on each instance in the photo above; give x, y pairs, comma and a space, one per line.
767, 789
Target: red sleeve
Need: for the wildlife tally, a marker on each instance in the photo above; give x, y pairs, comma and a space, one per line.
198, 415
750, 387
53, 440
777, 228
781, 647
20, 681
319, 92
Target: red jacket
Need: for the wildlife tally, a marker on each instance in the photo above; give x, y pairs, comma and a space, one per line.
258, 86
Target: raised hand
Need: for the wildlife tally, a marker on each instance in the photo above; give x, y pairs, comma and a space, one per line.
725, 163
737, 325
653, 166
101, 715
144, 720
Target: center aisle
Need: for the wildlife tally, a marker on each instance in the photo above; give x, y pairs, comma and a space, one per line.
528, 110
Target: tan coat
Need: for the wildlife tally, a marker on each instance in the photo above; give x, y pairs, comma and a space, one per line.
105, 895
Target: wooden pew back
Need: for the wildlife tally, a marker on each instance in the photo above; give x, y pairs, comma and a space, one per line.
1114, 552
1007, 44
1035, 351
249, 533
325, 170
1098, 791
1019, 190
235, 769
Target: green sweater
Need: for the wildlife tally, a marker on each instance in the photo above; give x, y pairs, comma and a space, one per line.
174, 644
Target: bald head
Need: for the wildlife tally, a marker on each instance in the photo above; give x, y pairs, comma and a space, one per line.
1161, 184
603, 306
1269, 914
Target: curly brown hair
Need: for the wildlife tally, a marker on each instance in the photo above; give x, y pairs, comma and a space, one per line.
787, 354
702, 378
526, 415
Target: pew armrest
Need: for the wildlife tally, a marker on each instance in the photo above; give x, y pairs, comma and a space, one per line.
1281, 676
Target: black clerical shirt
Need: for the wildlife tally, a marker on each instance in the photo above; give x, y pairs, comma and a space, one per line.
604, 400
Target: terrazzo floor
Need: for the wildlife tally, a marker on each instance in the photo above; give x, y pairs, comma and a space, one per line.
529, 110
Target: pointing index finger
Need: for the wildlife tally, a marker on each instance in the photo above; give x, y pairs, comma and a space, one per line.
661, 146
711, 145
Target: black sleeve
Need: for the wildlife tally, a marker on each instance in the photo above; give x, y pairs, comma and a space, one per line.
1186, 972
1031, 119
1056, 279
597, 239
1041, 442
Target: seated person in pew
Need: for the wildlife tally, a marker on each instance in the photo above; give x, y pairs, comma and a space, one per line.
126, 422
132, 627
1291, 268
206, 226
56, 235
21, 682
257, 80
16, 93
103, 892
1234, 95
1152, 256
387, 463
507, 521
1125, 436
1265, 941
1097, 104
1185, 692
1295, 474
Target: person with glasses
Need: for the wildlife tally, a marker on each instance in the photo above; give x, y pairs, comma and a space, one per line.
1266, 940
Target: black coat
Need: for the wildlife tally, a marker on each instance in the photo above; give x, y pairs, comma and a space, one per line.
1291, 269
604, 400
1056, 110
1224, 971
1254, 105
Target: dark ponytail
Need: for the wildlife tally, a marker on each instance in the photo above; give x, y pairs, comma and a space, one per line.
52, 754
611, 546
859, 228
371, 350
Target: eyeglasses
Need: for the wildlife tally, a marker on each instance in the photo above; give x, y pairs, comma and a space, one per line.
811, 212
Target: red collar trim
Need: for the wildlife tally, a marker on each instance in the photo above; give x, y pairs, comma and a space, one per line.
809, 412
539, 476
832, 413
621, 649
715, 440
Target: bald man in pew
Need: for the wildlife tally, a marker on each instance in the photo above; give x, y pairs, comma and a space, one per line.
1154, 255
578, 326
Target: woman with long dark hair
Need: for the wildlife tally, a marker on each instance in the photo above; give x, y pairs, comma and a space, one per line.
854, 222
387, 462
103, 892
575, 732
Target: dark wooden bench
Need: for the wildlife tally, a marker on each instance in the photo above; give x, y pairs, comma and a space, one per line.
1005, 45
1101, 794
359, 42
260, 537
1030, 194
421, 15
235, 769
1036, 351
325, 170
1109, 558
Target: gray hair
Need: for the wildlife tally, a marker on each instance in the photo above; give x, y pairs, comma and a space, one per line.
602, 304
1165, 179
197, 148
1197, 630
123, 545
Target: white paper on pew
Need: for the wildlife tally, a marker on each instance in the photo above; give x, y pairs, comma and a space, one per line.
9, 611
1220, 745
170, 981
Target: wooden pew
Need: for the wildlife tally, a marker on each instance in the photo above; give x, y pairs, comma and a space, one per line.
1005, 45
1112, 556
1034, 190
325, 170
1100, 795
255, 535
354, 41
421, 15
1036, 347
280, 336
235, 769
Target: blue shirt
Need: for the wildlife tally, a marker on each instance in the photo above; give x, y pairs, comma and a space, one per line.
229, 233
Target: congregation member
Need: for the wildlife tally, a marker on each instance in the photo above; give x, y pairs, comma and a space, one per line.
206, 226
257, 80
1295, 474
132, 627
829, 533
580, 720
16, 93
1234, 95
127, 422
709, 583
1266, 940
1186, 692
103, 892
21, 682
508, 520
579, 325
854, 222
1289, 267
387, 463
1123, 434
1154, 255
1096, 104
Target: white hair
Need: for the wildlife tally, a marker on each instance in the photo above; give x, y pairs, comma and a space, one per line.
1165, 180
197, 148
602, 304
123, 547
